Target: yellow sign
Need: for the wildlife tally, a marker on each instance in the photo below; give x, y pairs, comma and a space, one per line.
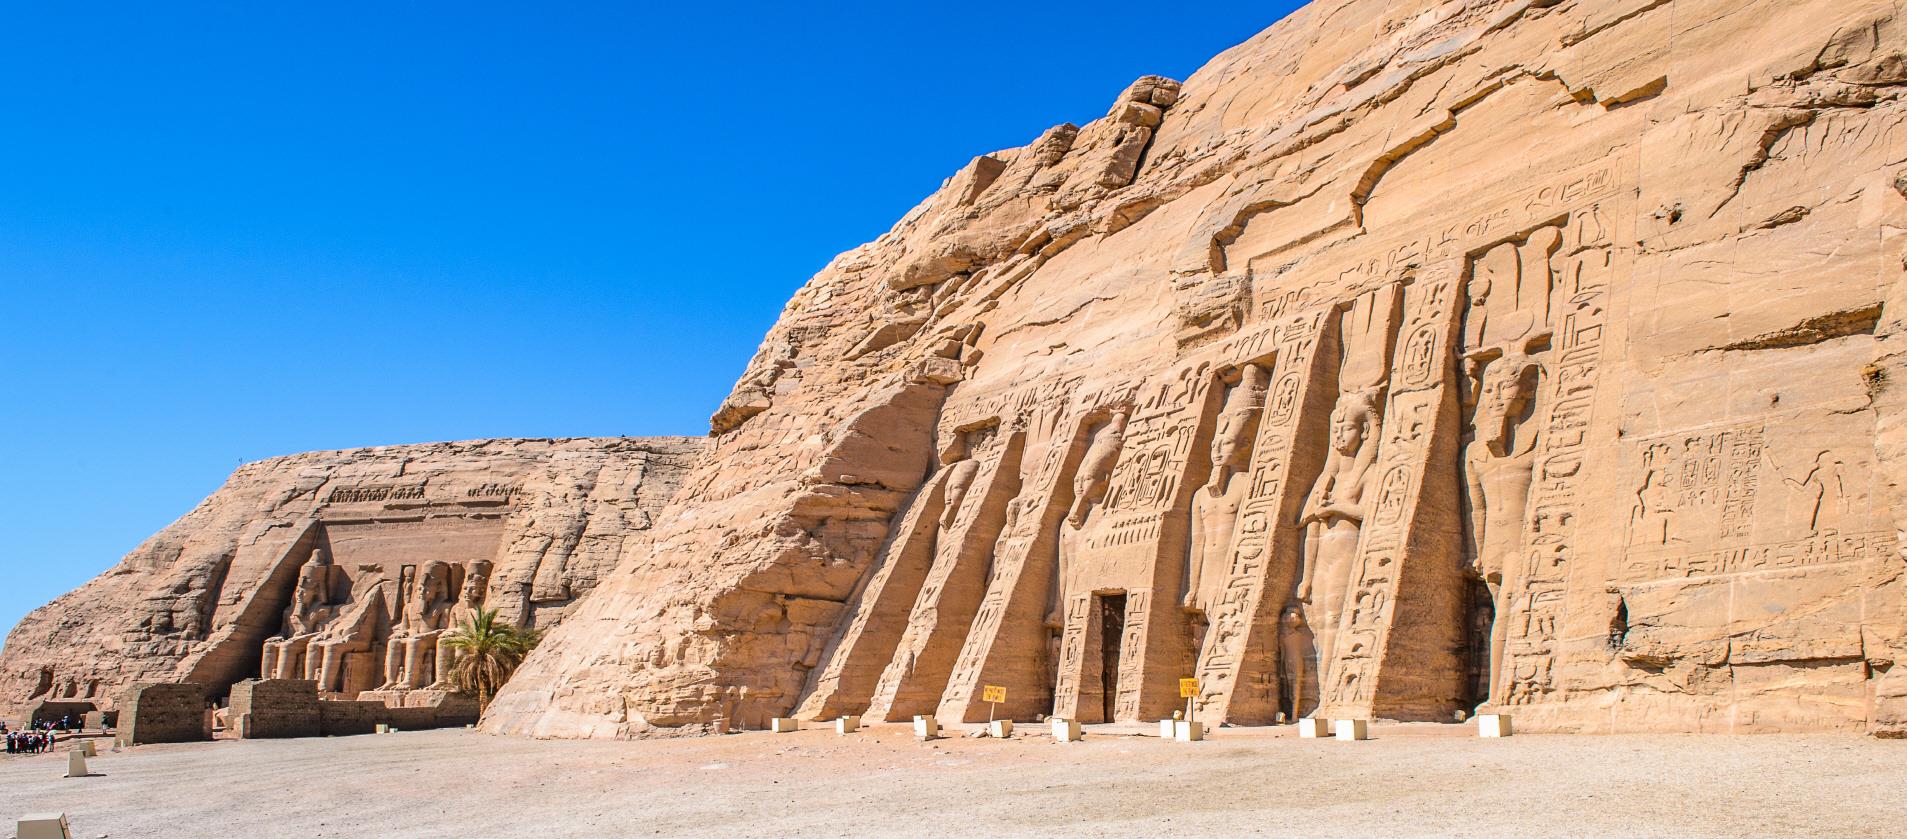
992, 693
1188, 688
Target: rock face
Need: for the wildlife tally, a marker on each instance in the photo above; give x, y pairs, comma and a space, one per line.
1538, 355
368, 549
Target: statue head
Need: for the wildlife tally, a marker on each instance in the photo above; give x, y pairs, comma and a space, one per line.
314, 582
1231, 442
436, 583
1351, 421
1293, 618
1507, 385
476, 583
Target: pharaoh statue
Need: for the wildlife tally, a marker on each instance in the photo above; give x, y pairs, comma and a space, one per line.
1215, 506
1333, 514
469, 602
1333, 517
354, 632
1506, 326
310, 609
426, 616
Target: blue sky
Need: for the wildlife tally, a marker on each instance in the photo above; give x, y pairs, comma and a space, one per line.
230, 232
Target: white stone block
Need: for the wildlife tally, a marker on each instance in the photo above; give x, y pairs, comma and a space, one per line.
1166, 728
1000, 728
783, 725
1065, 731
383, 728
926, 727
1188, 731
847, 725
1311, 727
76, 763
91, 749
1493, 725
1353, 729
43, 826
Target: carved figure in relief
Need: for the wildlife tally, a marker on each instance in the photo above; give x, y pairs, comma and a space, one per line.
1824, 493
470, 599
1215, 506
1652, 519
1333, 516
311, 608
426, 616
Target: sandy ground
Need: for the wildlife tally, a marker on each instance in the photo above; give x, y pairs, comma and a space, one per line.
1406, 781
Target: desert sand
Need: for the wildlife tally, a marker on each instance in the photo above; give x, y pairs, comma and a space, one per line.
1409, 780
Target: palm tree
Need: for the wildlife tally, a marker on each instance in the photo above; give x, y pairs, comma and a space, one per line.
487, 651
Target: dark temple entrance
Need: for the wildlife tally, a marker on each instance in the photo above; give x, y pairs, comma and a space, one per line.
1112, 632
1482, 619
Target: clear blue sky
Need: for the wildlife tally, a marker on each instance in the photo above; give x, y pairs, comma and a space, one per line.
230, 232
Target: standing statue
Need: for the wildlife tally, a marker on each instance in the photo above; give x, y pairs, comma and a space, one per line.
1497, 474
1215, 508
310, 609
426, 617
469, 602
1333, 517
1295, 658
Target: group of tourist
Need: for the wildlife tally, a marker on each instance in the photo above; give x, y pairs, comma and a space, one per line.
29, 742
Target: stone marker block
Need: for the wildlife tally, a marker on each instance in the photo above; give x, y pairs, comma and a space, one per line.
847, 725
383, 728
926, 727
76, 763
1000, 728
1353, 729
1310, 727
43, 826
783, 725
1066, 731
1188, 731
1166, 728
1493, 725
90, 749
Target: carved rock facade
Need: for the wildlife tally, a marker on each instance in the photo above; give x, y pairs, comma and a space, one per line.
1409, 358
347, 566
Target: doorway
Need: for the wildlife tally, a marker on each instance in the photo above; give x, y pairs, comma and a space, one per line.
1112, 633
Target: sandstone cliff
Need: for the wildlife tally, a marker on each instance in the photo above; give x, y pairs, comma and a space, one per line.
1408, 358
547, 519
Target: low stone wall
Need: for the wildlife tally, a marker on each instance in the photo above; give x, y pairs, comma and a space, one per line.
291, 708
163, 713
275, 708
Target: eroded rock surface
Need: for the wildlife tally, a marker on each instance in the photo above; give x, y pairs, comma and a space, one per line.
346, 566
1409, 358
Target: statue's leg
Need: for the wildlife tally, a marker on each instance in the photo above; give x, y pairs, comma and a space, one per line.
414, 662
1499, 630
268, 661
444, 661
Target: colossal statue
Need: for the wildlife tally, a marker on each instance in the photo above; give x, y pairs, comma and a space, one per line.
353, 633
311, 608
412, 645
1334, 515
1215, 506
469, 602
